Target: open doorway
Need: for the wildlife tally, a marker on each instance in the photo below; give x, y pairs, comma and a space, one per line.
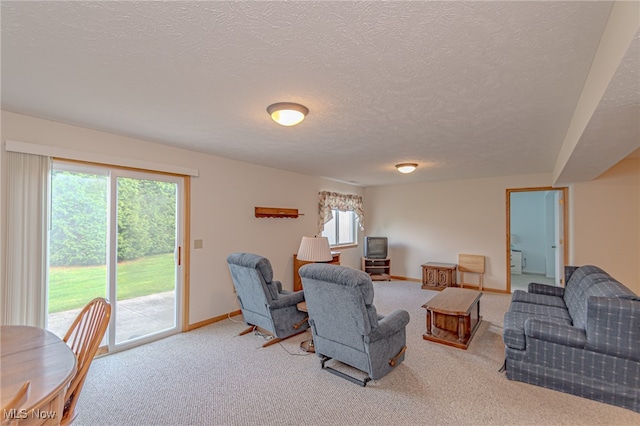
536, 236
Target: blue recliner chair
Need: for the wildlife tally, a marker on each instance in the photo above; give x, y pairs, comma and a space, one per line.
345, 324
263, 302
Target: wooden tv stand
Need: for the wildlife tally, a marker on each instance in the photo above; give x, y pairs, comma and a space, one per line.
378, 269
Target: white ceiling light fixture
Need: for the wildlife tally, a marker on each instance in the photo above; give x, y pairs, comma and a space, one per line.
287, 113
406, 167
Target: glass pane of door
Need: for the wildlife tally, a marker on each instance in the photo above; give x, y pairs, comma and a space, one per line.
77, 243
146, 269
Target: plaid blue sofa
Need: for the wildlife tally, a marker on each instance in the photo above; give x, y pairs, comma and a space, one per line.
583, 339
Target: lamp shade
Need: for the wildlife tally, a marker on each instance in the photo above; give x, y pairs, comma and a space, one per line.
314, 249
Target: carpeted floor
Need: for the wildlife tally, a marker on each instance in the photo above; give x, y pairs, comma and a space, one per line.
210, 376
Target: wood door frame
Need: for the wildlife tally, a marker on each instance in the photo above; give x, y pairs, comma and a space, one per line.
565, 219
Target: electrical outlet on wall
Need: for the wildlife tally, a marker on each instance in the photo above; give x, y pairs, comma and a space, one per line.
198, 244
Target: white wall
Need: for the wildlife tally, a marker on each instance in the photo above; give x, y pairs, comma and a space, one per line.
223, 198
436, 221
424, 222
433, 222
605, 220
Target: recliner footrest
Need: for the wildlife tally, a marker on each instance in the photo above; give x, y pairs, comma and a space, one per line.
362, 383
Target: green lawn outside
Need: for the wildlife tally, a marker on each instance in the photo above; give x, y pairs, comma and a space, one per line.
73, 287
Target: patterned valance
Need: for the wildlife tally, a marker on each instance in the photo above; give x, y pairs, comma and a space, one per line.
343, 202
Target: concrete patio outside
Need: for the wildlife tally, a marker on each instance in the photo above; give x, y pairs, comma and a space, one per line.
135, 317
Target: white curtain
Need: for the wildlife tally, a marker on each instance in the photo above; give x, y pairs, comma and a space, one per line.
24, 292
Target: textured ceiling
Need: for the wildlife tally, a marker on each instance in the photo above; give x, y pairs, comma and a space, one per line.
465, 89
614, 128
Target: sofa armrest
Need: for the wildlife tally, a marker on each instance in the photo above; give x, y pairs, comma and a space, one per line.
389, 325
561, 334
278, 284
549, 290
613, 326
286, 300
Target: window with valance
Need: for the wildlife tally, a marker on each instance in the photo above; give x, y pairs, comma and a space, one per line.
344, 202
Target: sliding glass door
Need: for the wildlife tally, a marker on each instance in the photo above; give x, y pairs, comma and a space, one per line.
145, 263
115, 233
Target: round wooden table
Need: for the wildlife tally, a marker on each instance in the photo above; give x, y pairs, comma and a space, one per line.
31, 354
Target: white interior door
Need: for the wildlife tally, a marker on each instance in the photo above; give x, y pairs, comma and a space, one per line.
559, 233
551, 234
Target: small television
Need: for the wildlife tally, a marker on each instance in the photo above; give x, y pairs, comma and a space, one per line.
375, 247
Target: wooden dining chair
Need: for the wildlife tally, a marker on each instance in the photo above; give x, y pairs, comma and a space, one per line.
84, 337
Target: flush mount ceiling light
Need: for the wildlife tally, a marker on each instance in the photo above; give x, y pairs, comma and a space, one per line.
406, 167
287, 113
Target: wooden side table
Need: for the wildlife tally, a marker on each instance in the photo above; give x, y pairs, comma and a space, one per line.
438, 276
297, 281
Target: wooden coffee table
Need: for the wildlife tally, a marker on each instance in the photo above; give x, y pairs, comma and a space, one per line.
453, 316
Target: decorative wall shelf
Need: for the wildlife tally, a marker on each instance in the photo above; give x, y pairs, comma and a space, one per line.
277, 212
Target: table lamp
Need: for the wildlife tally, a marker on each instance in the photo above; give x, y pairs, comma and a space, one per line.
314, 249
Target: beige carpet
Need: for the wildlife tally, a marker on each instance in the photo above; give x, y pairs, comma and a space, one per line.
210, 376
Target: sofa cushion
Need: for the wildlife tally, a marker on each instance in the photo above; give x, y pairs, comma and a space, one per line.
548, 289
513, 335
610, 288
593, 285
576, 298
613, 326
538, 299
580, 273
532, 308
574, 291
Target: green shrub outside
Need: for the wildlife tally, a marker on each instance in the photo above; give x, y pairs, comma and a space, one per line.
78, 246
146, 218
